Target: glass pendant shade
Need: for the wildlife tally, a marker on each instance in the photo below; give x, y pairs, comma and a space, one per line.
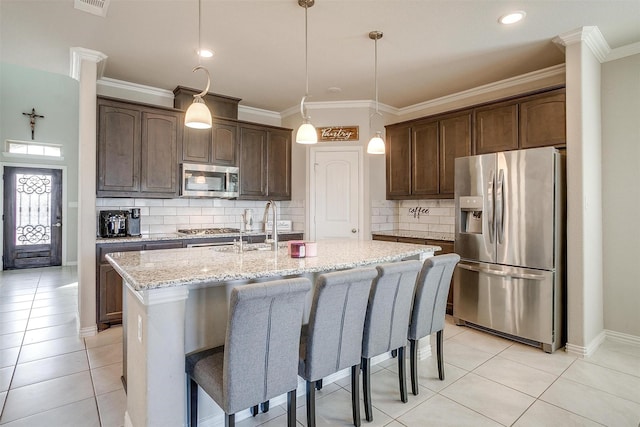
307, 134
198, 115
376, 144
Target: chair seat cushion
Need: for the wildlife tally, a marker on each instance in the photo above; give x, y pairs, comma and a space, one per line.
206, 368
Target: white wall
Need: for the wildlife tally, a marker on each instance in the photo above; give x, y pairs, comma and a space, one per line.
621, 194
56, 97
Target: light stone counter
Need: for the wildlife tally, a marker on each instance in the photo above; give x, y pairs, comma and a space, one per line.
179, 236
147, 270
176, 301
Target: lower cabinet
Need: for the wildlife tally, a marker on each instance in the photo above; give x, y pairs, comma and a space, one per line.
446, 245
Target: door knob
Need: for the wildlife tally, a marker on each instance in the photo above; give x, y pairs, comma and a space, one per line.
57, 224
354, 230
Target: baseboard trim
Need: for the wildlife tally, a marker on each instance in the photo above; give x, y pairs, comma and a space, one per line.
623, 338
582, 351
88, 331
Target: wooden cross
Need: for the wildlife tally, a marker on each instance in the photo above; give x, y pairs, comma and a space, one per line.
32, 120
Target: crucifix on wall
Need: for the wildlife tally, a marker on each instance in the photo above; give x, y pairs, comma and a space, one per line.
32, 120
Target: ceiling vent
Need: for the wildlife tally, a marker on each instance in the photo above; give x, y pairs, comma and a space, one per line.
95, 7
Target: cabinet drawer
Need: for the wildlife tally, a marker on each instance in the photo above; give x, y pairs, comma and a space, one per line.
176, 244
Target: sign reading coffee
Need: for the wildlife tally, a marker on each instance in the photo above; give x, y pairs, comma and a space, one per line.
337, 133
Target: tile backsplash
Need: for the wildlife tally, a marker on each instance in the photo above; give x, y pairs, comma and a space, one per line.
415, 215
169, 215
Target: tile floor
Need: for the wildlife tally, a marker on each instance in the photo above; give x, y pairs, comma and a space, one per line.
51, 377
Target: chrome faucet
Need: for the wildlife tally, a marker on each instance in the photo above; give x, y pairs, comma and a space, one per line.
274, 230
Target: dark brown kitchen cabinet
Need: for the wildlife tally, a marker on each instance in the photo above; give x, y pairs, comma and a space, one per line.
217, 145
398, 161
265, 162
137, 150
496, 128
543, 120
420, 156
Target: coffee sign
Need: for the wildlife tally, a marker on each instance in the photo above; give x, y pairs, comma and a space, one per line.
338, 133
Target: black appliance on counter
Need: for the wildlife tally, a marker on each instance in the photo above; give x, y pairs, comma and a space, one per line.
133, 223
113, 223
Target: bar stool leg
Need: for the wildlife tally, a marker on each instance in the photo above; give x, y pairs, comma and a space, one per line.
192, 392
254, 410
413, 350
402, 374
265, 406
291, 408
230, 420
439, 335
311, 404
355, 394
319, 384
366, 388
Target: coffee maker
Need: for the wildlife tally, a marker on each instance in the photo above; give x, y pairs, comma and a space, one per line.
133, 222
113, 223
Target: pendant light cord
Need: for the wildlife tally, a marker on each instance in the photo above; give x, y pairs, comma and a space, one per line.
199, 32
376, 72
306, 50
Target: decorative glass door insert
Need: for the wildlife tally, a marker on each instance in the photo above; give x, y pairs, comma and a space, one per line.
33, 209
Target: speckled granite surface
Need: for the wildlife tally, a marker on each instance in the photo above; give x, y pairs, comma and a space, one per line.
195, 266
178, 236
418, 234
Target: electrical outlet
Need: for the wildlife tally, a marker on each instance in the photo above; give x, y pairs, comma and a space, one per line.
139, 328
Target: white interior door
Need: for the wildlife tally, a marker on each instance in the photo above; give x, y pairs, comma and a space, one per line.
336, 190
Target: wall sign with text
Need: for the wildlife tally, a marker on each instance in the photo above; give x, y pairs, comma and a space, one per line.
337, 133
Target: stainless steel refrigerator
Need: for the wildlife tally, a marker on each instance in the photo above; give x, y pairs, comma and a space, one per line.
510, 235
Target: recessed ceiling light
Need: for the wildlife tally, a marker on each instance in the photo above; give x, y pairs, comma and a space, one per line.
512, 18
205, 53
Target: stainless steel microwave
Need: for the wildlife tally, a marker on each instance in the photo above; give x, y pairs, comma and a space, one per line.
198, 180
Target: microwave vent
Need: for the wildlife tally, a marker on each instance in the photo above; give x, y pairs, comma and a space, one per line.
95, 7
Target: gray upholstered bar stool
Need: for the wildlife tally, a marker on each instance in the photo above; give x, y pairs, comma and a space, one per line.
331, 341
260, 355
429, 309
387, 321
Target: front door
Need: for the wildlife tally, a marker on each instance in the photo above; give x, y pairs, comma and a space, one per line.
32, 217
335, 193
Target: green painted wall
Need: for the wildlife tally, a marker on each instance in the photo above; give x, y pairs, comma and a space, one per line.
54, 96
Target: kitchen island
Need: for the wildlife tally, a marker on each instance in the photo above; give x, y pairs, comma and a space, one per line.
176, 302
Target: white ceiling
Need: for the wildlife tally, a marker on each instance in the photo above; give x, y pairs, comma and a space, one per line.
430, 48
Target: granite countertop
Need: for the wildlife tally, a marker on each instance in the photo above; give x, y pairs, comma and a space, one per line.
417, 234
147, 270
180, 236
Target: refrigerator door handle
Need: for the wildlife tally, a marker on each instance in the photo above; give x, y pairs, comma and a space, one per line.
490, 206
527, 276
500, 206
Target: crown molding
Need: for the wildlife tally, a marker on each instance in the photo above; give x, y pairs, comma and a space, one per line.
533, 76
592, 38
336, 105
78, 54
135, 87
624, 51
273, 115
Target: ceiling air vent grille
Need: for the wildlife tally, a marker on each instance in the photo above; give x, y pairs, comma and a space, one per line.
95, 7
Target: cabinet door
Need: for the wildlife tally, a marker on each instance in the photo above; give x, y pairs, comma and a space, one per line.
279, 165
224, 137
159, 151
118, 148
455, 141
424, 146
253, 148
398, 161
496, 128
542, 121
109, 295
196, 145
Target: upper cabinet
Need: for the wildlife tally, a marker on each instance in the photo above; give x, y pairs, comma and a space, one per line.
265, 162
137, 150
421, 154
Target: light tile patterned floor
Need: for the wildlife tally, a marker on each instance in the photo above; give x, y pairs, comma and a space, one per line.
51, 377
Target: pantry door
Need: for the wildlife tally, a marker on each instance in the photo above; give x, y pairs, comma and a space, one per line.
336, 192
32, 230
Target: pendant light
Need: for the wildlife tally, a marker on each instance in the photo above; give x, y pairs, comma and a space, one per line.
198, 115
306, 132
376, 144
